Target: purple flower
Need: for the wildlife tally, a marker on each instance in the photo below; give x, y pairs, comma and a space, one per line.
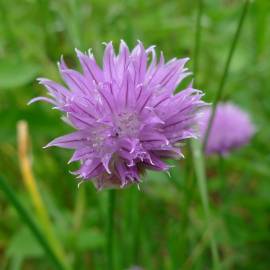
126, 116
231, 128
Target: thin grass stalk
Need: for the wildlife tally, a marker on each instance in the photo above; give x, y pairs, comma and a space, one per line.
224, 77
78, 215
201, 179
198, 159
31, 186
110, 230
79, 208
25, 216
196, 252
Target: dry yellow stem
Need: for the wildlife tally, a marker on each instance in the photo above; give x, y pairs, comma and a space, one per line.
24, 147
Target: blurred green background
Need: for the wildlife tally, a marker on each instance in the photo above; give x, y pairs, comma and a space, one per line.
163, 225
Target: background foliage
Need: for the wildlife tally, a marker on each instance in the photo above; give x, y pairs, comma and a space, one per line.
161, 227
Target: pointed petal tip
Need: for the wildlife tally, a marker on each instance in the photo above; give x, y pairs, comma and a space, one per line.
42, 80
73, 172
77, 50
50, 144
107, 44
33, 100
46, 146
139, 42
30, 102
70, 161
79, 184
61, 64
123, 47
123, 42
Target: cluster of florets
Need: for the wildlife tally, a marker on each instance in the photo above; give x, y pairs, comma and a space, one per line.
126, 115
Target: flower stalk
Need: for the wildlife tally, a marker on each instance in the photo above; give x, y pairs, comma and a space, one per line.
110, 230
201, 179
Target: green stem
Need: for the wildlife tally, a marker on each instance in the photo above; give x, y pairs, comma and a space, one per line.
222, 180
78, 219
135, 225
226, 70
221, 169
201, 179
24, 215
197, 37
197, 154
110, 230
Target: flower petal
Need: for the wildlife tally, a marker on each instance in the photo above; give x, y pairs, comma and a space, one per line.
72, 140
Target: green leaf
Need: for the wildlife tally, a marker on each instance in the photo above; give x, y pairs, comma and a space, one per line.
16, 73
23, 244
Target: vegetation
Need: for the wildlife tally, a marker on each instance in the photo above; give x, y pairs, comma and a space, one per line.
165, 225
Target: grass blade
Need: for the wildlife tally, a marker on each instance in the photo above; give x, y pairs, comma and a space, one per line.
226, 70
25, 216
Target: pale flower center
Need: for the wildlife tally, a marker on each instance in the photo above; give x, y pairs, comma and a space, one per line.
98, 136
127, 123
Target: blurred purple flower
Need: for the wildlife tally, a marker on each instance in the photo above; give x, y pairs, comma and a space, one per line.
231, 128
126, 115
